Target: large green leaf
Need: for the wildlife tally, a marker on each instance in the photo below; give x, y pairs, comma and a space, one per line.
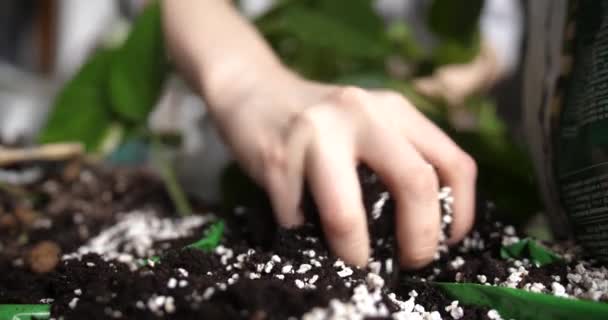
140, 67
81, 110
24, 311
523, 305
360, 16
320, 30
529, 249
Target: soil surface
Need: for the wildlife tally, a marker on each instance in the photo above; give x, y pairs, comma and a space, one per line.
76, 236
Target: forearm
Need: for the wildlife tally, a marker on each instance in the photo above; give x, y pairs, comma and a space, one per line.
218, 51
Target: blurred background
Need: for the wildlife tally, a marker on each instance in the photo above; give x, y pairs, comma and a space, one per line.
96, 72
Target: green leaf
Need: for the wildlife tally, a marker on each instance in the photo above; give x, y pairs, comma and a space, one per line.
523, 305
360, 16
139, 68
452, 51
24, 311
81, 110
530, 249
455, 20
211, 239
316, 29
456, 24
400, 35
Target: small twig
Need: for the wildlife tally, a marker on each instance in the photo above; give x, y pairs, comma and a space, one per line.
50, 152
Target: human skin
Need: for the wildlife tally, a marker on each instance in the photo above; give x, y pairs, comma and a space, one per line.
283, 129
454, 83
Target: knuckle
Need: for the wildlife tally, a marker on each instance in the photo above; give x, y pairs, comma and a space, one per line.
464, 164
349, 96
305, 123
273, 156
421, 181
310, 120
392, 97
302, 120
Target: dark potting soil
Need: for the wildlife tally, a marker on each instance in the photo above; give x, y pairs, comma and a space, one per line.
258, 272
67, 203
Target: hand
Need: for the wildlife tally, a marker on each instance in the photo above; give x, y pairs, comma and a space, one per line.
292, 128
454, 83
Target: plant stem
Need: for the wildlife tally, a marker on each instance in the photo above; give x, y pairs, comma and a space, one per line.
167, 172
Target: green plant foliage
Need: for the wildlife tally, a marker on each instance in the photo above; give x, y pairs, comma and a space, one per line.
456, 24
455, 20
213, 237
25, 311
454, 52
529, 249
115, 87
321, 40
139, 68
401, 38
356, 32
524, 305
81, 110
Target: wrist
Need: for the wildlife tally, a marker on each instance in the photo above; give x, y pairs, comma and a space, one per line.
228, 85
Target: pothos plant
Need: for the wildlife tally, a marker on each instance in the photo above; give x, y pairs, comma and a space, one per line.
108, 102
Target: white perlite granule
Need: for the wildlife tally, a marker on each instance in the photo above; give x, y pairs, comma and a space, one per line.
73, 303
587, 282
135, 233
455, 311
494, 315
159, 305
379, 205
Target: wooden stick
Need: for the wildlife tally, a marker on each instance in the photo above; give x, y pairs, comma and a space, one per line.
48, 152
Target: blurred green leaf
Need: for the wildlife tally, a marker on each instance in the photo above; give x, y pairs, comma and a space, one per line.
359, 16
81, 111
455, 20
455, 52
368, 80
400, 35
313, 28
212, 238
529, 249
139, 68
524, 305
24, 311
456, 24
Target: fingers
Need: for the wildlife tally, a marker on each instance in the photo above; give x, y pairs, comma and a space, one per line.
428, 86
335, 187
285, 168
455, 168
413, 183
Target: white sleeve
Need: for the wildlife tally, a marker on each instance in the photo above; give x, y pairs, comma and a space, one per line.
501, 25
